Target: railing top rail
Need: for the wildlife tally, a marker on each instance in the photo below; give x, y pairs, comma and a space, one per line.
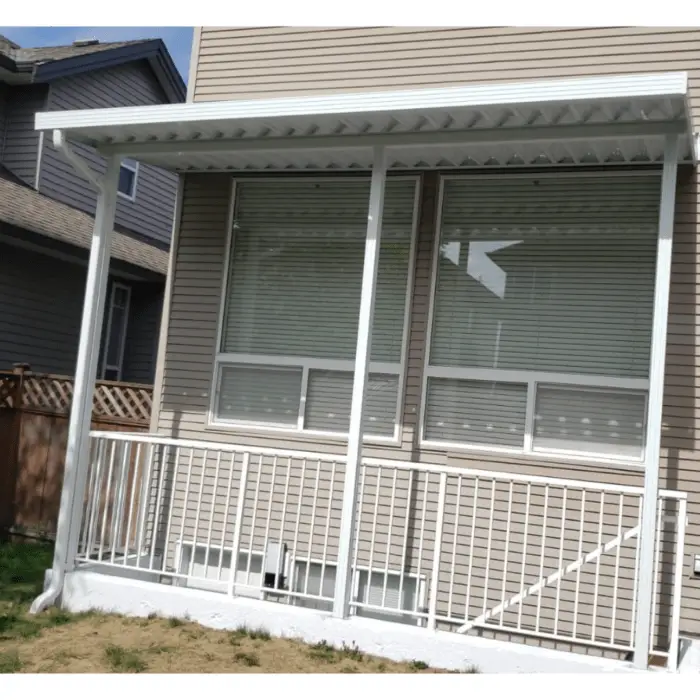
556, 482
522, 478
221, 446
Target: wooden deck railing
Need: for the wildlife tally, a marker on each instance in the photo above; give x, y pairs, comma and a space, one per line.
34, 410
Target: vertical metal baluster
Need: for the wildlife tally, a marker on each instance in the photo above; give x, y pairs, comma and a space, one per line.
284, 509
227, 510
372, 542
580, 554
253, 525
597, 565
185, 508
313, 526
134, 486
507, 547
118, 512
96, 497
419, 567
327, 532
616, 582
487, 573
238, 523
297, 522
454, 546
636, 572
145, 505
657, 566
388, 542
360, 500
522, 566
475, 507
106, 502
171, 488
679, 543
195, 539
268, 519
561, 561
159, 498
87, 517
211, 512
404, 545
544, 539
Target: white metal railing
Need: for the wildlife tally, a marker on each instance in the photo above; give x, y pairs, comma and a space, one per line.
439, 547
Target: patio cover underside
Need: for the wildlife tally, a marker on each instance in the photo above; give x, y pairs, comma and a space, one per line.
589, 121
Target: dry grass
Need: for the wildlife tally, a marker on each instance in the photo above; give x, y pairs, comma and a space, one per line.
56, 642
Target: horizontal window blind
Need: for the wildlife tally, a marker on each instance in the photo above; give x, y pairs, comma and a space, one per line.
260, 394
329, 396
295, 272
546, 276
476, 413
577, 259
605, 422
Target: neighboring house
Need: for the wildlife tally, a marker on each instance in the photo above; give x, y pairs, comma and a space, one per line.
528, 323
47, 210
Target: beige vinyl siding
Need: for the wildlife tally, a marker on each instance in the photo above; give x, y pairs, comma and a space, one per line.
235, 63
274, 62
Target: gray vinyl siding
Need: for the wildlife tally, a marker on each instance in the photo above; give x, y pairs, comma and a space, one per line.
21, 146
3, 112
142, 332
41, 300
257, 62
133, 84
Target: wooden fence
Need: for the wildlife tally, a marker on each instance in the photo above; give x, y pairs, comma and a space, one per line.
34, 411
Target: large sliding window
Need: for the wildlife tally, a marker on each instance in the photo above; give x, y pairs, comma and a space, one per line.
292, 299
542, 314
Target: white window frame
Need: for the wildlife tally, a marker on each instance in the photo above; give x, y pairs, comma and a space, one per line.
306, 364
530, 378
118, 368
134, 169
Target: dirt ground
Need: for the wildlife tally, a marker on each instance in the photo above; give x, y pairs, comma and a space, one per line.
58, 642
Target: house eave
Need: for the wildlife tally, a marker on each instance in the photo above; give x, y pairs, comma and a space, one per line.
598, 120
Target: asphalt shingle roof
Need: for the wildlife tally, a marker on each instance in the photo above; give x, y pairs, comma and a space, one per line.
25, 208
44, 54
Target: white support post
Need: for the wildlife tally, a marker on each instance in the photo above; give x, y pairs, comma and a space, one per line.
343, 582
77, 448
647, 535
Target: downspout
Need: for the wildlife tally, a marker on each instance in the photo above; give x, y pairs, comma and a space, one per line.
77, 449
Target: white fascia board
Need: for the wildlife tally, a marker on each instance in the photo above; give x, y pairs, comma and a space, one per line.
579, 89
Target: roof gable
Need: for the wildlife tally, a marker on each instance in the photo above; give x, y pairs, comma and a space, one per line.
45, 64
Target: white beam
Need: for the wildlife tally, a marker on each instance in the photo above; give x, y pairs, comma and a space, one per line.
77, 449
647, 545
531, 134
343, 581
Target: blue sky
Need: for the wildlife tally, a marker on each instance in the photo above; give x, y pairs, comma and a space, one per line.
177, 39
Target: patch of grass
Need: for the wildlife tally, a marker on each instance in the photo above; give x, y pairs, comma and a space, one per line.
15, 626
160, 649
175, 622
246, 658
252, 633
349, 669
22, 566
381, 667
10, 662
322, 651
352, 652
57, 617
124, 660
416, 665
152, 616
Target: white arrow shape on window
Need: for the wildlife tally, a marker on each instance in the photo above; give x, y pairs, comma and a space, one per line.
483, 269
451, 251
